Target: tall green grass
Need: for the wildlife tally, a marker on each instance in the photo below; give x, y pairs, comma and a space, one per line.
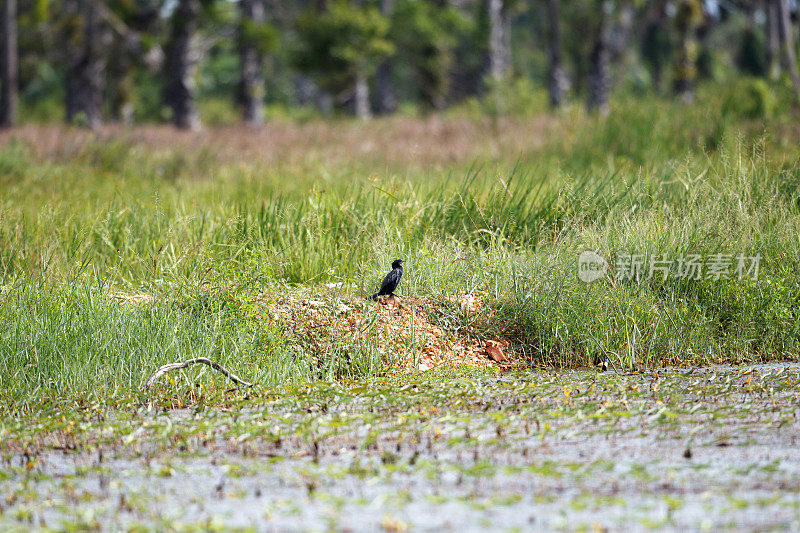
206, 238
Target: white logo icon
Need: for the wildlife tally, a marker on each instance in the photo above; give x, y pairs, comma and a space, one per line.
591, 266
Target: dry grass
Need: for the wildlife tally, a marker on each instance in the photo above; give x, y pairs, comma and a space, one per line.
130, 299
396, 141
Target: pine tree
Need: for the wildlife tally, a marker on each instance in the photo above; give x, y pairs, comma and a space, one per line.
425, 34
342, 47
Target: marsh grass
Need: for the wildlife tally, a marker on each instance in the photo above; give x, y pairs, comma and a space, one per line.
207, 237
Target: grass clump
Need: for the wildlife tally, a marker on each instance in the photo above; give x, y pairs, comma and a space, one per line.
60, 341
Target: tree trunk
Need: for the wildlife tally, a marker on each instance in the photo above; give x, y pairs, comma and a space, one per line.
120, 83
361, 96
788, 44
773, 40
655, 46
181, 64
559, 83
599, 79
8, 64
307, 92
686, 20
499, 46
251, 83
385, 99
431, 77
621, 31
72, 50
86, 63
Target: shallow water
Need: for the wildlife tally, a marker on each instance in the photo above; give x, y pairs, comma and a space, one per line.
703, 449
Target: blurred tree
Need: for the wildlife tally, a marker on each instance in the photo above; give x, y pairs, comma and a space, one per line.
256, 38
558, 81
787, 36
752, 55
99, 56
657, 44
181, 64
579, 18
41, 58
599, 78
134, 24
773, 38
385, 97
342, 47
425, 33
499, 40
466, 77
621, 27
8, 64
93, 31
87, 39
688, 18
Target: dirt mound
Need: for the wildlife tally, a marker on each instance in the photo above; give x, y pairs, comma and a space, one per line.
425, 333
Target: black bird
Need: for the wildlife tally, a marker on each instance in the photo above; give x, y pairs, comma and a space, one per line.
391, 280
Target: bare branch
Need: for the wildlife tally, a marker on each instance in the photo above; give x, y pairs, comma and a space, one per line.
204, 360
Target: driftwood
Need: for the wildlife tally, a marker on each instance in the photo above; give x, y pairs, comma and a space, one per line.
213, 364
